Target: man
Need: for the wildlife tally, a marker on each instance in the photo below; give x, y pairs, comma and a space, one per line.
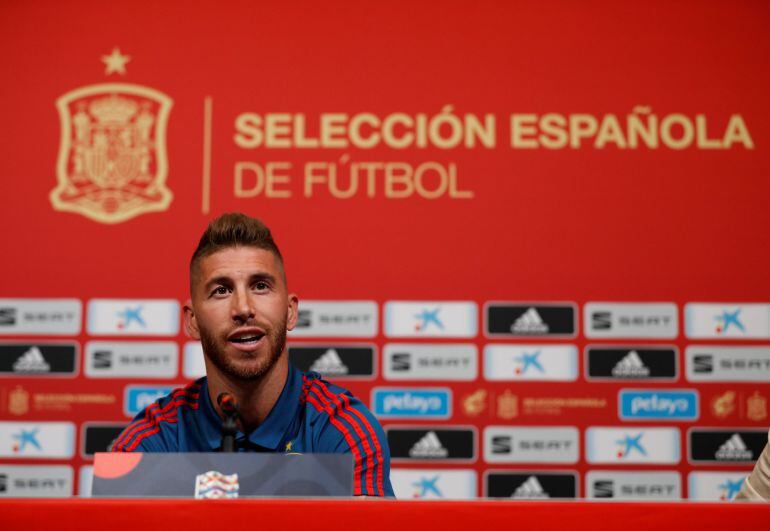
241, 309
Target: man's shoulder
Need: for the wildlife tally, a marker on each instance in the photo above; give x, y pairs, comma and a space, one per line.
154, 429
341, 423
334, 409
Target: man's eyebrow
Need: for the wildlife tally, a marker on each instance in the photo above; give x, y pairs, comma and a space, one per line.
263, 276
225, 281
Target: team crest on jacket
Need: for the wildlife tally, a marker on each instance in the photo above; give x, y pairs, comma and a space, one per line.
112, 161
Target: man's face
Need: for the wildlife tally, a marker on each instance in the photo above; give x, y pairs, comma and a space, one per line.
241, 310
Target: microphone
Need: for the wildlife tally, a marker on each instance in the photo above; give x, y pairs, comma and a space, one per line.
227, 404
229, 407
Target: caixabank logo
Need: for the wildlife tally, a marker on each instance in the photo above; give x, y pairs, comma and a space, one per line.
112, 162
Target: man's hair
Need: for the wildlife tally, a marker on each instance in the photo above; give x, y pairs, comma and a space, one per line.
234, 229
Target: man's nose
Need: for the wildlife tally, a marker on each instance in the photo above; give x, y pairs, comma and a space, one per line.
243, 306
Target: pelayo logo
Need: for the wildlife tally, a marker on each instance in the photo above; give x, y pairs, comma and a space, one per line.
658, 405
412, 403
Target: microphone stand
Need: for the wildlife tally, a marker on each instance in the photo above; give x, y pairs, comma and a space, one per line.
229, 426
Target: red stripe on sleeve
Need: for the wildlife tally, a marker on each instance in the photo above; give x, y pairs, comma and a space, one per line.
344, 408
149, 411
378, 448
345, 433
153, 412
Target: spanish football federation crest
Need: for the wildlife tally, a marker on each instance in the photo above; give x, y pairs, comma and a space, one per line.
112, 161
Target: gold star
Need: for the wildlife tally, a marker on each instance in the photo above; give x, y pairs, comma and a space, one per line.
288, 447
116, 62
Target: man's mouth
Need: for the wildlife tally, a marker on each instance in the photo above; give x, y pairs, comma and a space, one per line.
249, 339
246, 337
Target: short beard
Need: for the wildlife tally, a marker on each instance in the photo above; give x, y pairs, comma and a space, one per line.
277, 337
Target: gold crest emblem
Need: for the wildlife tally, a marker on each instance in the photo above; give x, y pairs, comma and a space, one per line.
723, 405
18, 401
112, 161
756, 407
475, 403
507, 405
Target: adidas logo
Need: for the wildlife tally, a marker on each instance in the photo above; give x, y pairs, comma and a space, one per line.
631, 366
329, 364
31, 361
529, 322
530, 490
734, 449
429, 446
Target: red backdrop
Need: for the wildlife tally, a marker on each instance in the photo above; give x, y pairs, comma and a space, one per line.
583, 223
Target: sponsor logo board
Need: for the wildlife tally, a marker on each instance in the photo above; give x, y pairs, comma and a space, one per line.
631, 320
634, 486
715, 486
628, 445
193, 364
37, 440
431, 319
431, 444
530, 362
707, 363
21, 401
38, 359
133, 317
139, 359
631, 363
506, 444
433, 484
530, 319
335, 361
336, 319
713, 446
138, 397
456, 362
644, 404
43, 317
85, 481
530, 485
99, 437
412, 403
35, 481
727, 321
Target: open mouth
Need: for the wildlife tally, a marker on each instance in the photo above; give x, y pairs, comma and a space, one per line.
246, 337
246, 340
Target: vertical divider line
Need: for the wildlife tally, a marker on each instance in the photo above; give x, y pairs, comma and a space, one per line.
206, 185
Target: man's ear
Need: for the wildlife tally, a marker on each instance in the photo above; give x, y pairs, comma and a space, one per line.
190, 323
291, 312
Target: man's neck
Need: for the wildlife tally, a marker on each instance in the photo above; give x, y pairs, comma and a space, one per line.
255, 398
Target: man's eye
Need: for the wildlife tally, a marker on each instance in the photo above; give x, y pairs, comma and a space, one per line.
221, 290
260, 286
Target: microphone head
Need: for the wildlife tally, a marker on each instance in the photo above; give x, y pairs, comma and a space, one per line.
227, 403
